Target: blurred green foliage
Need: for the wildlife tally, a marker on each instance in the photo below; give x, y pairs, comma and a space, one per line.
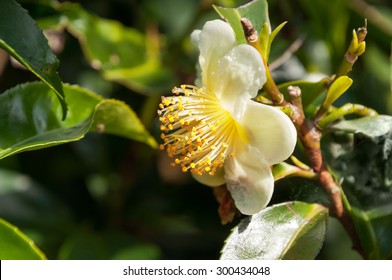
107, 197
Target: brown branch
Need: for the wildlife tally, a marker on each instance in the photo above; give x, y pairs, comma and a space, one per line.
310, 136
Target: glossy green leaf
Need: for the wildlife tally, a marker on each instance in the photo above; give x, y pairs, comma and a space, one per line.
292, 230
14, 245
365, 166
256, 11
124, 55
21, 38
30, 118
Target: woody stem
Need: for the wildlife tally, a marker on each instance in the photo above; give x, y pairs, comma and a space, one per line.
309, 135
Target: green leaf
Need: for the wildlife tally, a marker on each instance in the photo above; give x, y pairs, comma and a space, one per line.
124, 55
30, 118
365, 165
292, 230
255, 11
338, 87
272, 36
370, 126
115, 117
14, 245
21, 38
374, 228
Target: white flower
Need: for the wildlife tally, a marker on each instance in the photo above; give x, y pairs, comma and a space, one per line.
216, 131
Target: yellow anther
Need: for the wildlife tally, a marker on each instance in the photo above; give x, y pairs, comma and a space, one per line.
192, 135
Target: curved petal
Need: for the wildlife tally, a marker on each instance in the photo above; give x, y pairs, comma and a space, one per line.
214, 41
215, 180
241, 74
249, 180
270, 131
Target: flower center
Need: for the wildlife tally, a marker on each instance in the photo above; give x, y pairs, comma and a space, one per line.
196, 130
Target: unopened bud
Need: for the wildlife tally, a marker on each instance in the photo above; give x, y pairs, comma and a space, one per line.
249, 31
362, 32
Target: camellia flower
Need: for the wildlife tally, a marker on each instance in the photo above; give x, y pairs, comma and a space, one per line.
214, 129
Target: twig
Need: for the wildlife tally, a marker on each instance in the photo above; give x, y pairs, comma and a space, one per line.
374, 16
310, 137
287, 54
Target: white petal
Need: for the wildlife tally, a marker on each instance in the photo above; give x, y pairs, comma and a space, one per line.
249, 180
215, 180
270, 131
195, 36
214, 41
241, 74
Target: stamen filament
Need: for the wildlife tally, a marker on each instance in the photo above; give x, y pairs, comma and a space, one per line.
197, 132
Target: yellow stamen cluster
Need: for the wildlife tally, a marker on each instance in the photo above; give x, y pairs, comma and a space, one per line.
196, 130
